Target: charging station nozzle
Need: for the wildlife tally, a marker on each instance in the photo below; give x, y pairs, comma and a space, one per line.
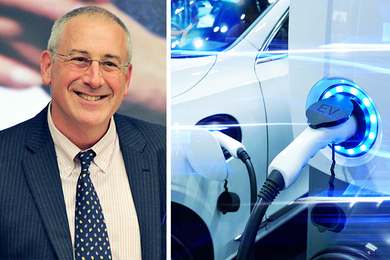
228, 143
330, 121
237, 150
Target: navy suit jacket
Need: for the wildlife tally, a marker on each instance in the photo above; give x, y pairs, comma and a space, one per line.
33, 220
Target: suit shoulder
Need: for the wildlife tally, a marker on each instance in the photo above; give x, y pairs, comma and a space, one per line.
154, 133
13, 142
20, 130
29, 135
24, 128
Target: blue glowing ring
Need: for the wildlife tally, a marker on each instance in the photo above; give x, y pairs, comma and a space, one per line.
371, 117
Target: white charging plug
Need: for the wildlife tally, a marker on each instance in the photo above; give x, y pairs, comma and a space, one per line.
295, 156
227, 142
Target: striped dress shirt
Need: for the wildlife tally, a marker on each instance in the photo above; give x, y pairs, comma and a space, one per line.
108, 175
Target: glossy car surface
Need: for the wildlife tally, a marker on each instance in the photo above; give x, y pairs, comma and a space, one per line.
232, 74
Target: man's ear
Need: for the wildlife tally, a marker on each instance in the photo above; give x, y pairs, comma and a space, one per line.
128, 77
46, 64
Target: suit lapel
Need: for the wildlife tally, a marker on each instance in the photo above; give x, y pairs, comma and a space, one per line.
144, 187
42, 174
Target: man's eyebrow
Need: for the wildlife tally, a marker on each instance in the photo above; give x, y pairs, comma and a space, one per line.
109, 56
79, 51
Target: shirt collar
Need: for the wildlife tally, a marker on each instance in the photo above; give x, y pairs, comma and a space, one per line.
67, 151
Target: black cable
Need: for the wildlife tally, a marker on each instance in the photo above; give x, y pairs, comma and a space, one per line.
333, 175
267, 194
245, 250
246, 159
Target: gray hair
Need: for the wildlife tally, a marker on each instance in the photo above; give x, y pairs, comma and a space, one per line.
58, 27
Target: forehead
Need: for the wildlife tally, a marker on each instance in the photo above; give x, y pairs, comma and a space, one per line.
94, 34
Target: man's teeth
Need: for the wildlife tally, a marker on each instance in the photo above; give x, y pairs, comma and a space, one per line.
89, 97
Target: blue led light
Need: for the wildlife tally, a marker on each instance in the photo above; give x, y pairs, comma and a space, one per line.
340, 89
354, 91
373, 119
328, 94
369, 118
366, 102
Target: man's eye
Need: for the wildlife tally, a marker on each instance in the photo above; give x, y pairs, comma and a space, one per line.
79, 59
110, 64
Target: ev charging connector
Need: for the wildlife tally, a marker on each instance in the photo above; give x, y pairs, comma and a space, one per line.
228, 143
330, 121
237, 150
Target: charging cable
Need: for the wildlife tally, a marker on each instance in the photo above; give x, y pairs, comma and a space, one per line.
237, 150
330, 121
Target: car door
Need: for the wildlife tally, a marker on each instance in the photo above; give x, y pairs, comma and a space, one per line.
272, 70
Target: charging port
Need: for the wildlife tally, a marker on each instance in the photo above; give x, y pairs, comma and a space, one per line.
364, 110
224, 123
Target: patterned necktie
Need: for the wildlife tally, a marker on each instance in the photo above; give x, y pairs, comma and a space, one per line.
91, 238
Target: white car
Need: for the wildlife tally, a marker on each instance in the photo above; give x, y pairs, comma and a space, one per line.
229, 67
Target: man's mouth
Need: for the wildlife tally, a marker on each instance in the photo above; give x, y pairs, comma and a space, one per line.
90, 98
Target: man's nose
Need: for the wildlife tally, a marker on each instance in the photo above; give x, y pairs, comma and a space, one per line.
93, 75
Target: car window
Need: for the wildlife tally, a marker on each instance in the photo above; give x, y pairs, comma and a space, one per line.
211, 25
280, 41
277, 45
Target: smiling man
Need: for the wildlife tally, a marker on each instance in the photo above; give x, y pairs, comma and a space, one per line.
78, 180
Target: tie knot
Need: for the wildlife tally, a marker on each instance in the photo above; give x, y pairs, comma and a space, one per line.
86, 158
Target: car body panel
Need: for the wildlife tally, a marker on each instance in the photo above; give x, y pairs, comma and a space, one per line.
242, 84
